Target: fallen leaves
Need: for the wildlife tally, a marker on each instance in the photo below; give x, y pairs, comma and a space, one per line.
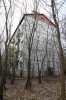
47, 90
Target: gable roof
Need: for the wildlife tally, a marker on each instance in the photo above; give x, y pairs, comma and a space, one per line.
41, 18
38, 16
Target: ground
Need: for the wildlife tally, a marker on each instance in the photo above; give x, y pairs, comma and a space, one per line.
49, 89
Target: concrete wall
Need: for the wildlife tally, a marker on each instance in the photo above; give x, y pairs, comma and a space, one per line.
46, 32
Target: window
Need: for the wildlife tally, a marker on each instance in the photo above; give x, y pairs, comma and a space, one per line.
20, 64
42, 18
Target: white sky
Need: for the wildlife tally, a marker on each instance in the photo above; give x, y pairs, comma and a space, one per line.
42, 8
26, 6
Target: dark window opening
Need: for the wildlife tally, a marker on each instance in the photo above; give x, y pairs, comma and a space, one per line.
50, 71
42, 18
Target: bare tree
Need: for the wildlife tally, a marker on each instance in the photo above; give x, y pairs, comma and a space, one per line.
0, 58
0, 63
30, 43
40, 62
8, 14
15, 56
61, 51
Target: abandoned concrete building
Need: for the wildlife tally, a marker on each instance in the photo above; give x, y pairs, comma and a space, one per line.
38, 34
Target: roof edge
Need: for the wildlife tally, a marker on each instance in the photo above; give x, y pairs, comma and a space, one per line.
21, 22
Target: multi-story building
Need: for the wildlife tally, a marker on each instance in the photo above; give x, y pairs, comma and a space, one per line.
37, 35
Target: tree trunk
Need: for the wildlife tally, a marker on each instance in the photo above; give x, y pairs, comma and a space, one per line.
0, 64
39, 76
2, 84
13, 75
28, 83
3, 77
39, 72
1, 89
60, 55
5, 62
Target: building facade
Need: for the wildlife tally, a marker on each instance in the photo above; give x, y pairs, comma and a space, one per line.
37, 37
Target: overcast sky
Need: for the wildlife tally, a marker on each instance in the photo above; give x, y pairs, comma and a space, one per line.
27, 6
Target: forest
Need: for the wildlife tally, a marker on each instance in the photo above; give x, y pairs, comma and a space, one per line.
32, 50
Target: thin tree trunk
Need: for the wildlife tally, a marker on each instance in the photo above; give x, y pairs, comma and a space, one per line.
2, 84
61, 54
28, 83
40, 77
5, 62
0, 63
39, 72
1, 89
6, 52
13, 75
